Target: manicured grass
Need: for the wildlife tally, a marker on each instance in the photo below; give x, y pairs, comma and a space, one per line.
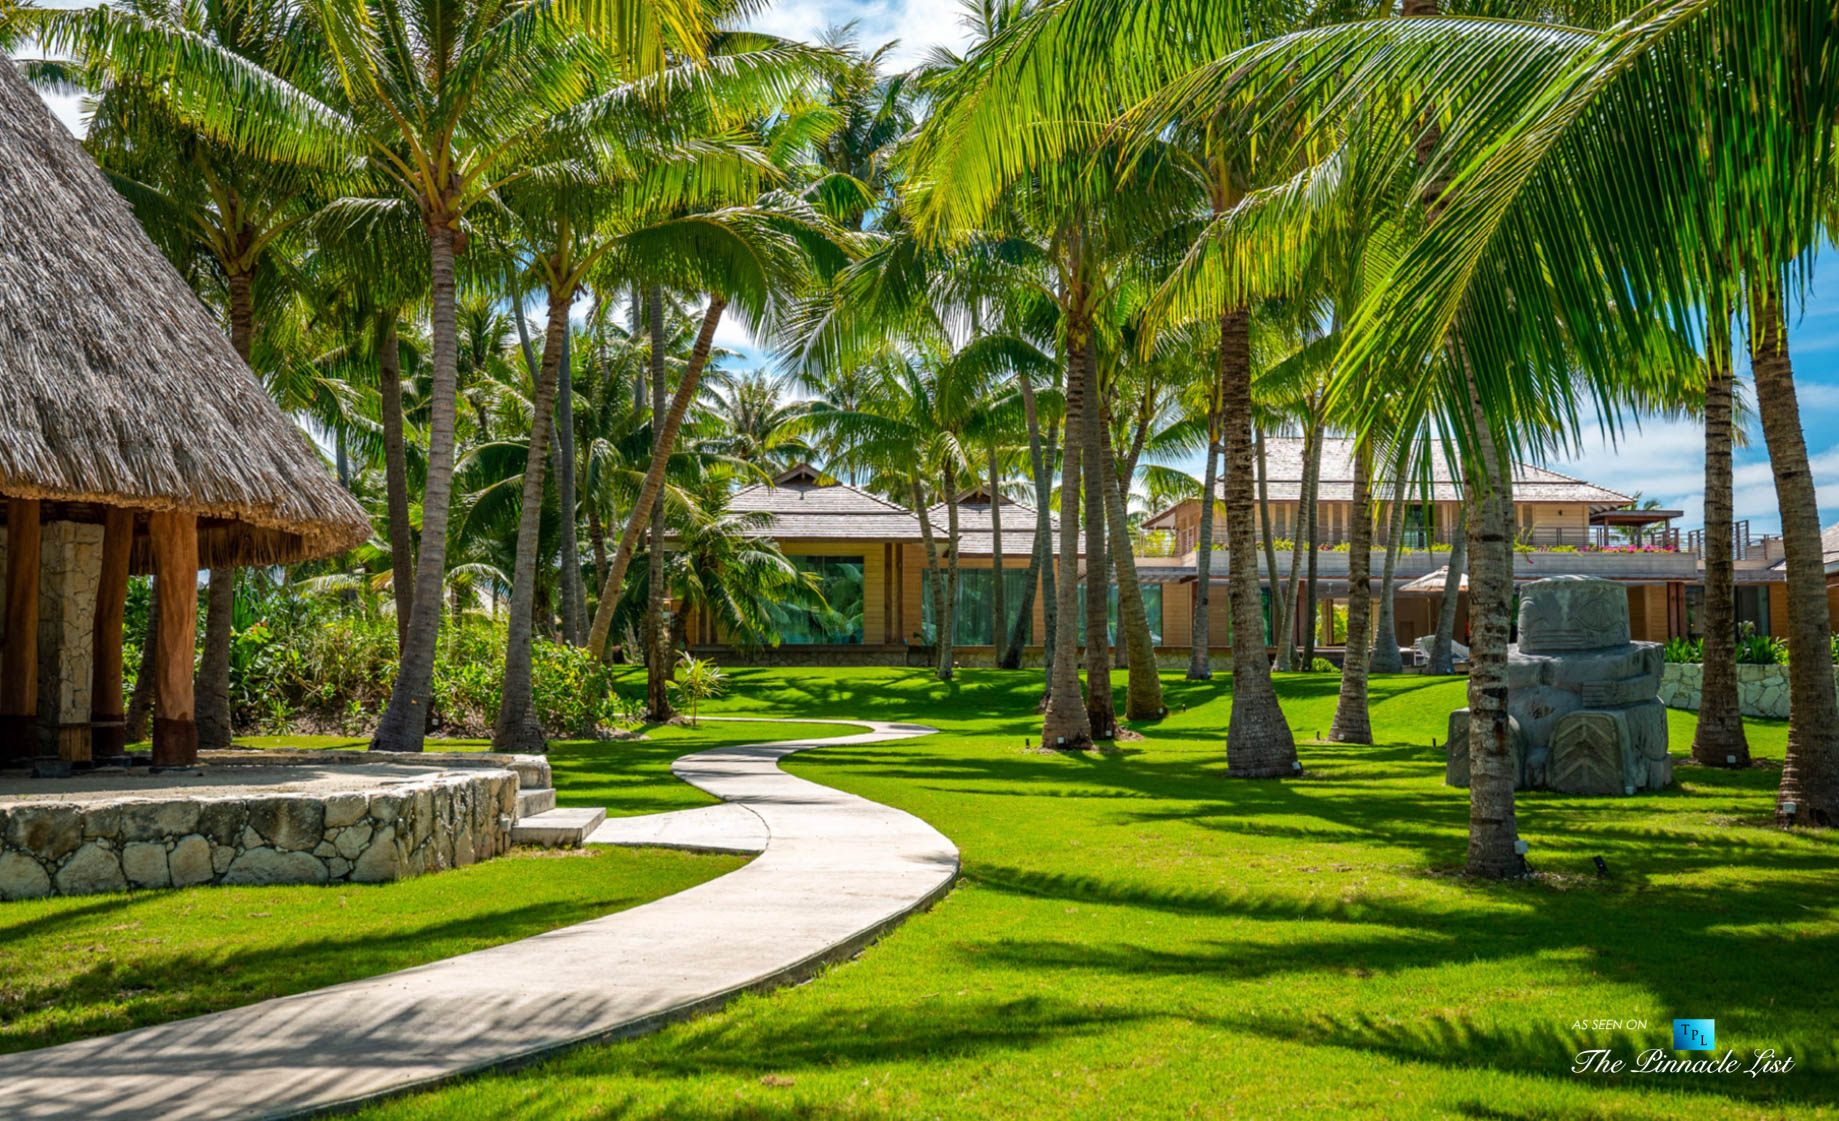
633, 776
89, 965
1138, 936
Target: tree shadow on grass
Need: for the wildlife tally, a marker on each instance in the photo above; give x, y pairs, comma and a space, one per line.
115, 995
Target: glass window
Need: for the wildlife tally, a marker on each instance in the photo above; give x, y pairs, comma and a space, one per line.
1152, 606
975, 610
1753, 608
839, 622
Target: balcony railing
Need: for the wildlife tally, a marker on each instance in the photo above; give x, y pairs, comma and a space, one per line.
1743, 545
1594, 538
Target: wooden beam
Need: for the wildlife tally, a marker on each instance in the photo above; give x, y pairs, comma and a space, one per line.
175, 565
108, 739
19, 664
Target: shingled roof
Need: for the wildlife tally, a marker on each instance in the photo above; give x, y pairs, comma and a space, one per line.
976, 535
117, 387
806, 505
1284, 467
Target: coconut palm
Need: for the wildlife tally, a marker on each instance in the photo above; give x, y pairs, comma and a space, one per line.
755, 413
1718, 740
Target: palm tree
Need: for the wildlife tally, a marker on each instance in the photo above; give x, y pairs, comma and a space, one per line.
756, 416
745, 255
1718, 740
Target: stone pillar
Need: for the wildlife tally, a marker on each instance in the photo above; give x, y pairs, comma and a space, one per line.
19, 655
108, 734
69, 565
175, 565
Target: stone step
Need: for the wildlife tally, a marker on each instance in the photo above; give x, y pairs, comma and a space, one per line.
558, 828
533, 802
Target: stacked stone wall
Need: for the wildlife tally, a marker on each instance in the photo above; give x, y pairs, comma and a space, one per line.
359, 836
1761, 690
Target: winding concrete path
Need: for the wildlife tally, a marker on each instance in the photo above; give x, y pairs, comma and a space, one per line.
835, 873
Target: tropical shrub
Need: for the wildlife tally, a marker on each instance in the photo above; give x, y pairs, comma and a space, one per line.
1686, 650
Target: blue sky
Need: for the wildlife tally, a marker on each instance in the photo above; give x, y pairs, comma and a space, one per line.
1659, 458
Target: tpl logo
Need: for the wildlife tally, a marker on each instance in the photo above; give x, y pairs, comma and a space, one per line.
1695, 1035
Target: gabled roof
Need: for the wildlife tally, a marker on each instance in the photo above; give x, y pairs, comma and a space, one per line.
1284, 463
976, 534
806, 510
117, 387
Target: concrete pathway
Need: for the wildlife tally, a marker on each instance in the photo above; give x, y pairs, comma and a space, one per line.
728, 827
836, 872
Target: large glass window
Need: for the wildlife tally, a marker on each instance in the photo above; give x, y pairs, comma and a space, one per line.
839, 621
976, 605
1753, 608
1152, 606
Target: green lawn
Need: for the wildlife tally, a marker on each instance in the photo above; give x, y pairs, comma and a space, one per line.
94, 964
1137, 936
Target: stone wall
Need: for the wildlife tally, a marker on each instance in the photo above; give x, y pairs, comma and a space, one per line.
373, 835
1761, 690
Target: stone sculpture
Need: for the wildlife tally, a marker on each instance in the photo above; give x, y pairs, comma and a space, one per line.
1583, 704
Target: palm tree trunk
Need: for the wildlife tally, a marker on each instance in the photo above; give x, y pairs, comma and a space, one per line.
940, 612
1277, 606
1200, 667
1040, 558
1351, 723
1312, 552
1493, 831
1050, 570
1259, 743
1809, 792
1065, 724
1385, 657
597, 541
654, 479
212, 685
1719, 740
1299, 540
1143, 691
948, 622
518, 728
1313, 505
1442, 660
405, 721
396, 475
657, 639
574, 594
998, 600
1101, 709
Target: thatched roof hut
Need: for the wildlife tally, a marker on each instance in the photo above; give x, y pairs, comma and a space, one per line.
117, 388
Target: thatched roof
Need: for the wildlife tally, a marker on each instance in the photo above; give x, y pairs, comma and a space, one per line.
117, 388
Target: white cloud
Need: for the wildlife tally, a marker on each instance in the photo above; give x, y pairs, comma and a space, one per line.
919, 25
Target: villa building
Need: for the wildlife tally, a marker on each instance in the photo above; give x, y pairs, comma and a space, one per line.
871, 558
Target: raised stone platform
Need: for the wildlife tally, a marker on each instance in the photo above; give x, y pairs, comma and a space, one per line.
255, 818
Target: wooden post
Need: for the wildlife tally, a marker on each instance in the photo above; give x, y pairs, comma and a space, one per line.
19, 664
109, 736
175, 564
